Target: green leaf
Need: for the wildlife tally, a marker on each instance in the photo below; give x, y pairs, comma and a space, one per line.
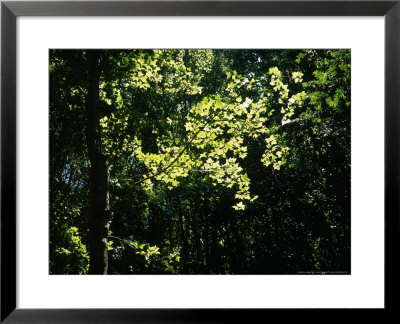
218, 104
245, 177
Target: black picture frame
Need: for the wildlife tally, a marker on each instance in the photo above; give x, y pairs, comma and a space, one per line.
10, 10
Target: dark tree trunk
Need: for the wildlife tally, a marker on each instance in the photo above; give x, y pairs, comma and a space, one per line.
206, 238
184, 243
100, 215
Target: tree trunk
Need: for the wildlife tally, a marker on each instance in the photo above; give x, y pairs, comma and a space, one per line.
184, 243
99, 216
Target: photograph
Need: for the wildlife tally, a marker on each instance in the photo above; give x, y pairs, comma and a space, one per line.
199, 161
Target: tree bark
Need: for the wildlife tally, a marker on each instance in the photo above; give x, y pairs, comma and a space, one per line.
100, 215
184, 243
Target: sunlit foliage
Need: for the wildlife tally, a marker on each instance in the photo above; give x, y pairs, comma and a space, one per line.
220, 161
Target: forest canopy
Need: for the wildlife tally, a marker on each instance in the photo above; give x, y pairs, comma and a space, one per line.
174, 161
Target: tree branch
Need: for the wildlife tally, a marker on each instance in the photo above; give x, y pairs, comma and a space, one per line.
178, 156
